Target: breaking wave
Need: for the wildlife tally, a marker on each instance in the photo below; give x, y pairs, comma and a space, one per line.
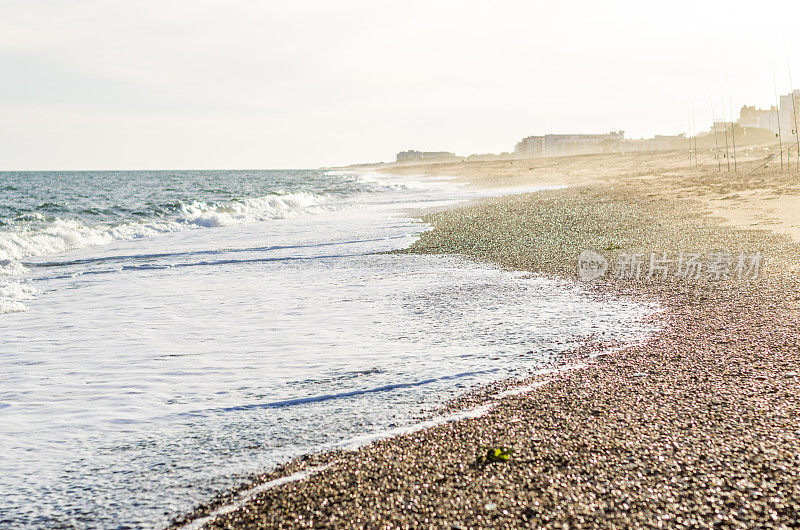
36, 236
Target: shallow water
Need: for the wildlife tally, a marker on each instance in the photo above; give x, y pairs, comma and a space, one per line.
145, 369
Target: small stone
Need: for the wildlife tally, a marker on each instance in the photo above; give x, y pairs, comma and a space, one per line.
490, 506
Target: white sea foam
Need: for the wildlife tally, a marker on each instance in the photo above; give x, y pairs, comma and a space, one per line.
62, 235
407, 182
12, 295
375, 179
12, 306
251, 210
10, 267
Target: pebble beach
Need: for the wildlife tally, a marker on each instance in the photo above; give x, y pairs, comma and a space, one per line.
695, 427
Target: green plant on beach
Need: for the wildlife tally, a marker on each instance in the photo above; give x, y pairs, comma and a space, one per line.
494, 454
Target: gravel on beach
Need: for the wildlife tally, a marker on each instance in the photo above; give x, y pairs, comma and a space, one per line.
696, 427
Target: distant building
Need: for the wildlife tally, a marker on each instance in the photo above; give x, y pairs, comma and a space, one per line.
575, 144
761, 118
569, 144
790, 113
721, 126
665, 142
530, 147
411, 155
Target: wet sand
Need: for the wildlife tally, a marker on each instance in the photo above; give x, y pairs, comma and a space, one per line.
697, 427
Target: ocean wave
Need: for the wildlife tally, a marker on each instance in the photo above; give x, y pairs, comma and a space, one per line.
60, 235
248, 210
10, 267
375, 179
405, 182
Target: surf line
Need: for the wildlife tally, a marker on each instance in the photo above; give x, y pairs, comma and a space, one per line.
354, 444
247, 495
242, 499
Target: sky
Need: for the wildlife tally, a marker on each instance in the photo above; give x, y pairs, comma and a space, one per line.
246, 84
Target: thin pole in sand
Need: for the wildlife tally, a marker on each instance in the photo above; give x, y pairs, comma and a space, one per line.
725, 123
714, 128
777, 109
794, 111
733, 127
689, 131
694, 128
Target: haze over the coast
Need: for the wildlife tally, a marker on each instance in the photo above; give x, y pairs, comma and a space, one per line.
245, 84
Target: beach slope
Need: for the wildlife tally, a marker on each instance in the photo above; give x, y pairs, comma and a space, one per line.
696, 427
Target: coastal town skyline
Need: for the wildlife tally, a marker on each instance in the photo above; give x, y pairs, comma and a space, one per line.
780, 120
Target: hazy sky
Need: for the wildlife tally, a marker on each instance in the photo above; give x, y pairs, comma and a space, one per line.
90, 84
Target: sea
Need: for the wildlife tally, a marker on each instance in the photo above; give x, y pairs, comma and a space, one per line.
164, 334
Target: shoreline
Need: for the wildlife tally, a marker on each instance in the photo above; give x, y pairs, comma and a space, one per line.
472, 404
625, 440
